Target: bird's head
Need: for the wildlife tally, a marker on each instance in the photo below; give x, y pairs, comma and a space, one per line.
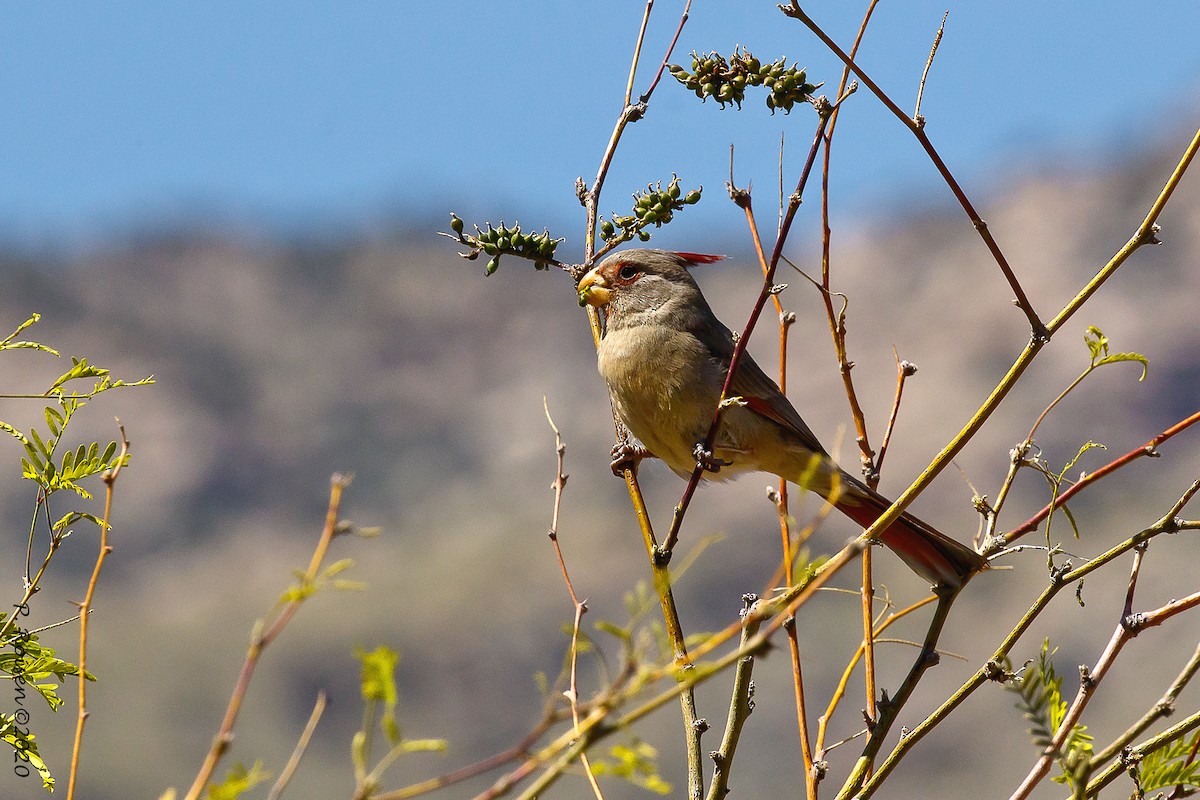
632, 282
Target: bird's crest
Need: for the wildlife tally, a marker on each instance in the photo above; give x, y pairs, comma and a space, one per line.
699, 258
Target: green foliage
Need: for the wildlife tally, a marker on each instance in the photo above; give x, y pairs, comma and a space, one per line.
21, 740
1170, 765
379, 685
636, 762
54, 466
31, 663
1097, 344
239, 781
726, 80
495, 242
1039, 697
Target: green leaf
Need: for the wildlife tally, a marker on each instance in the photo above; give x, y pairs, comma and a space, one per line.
1170, 765
379, 686
338, 567
1116, 358
20, 437
1042, 703
1097, 344
25, 749
637, 763
54, 421
378, 673
613, 630
346, 585
424, 746
238, 781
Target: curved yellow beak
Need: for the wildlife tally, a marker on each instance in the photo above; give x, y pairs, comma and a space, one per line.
593, 291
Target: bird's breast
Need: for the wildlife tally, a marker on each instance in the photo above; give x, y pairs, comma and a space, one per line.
665, 386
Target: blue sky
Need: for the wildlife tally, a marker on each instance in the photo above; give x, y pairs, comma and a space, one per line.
287, 116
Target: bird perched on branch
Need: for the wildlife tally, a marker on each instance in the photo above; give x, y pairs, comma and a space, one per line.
665, 356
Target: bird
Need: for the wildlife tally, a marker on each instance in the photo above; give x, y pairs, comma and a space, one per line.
664, 355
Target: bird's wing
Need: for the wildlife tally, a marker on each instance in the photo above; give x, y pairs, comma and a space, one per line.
760, 393
763, 397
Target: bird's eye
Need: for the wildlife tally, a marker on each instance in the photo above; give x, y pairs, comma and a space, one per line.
627, 272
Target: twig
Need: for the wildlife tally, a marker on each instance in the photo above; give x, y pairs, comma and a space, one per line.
1038, 327
739, 349
479, 767
110, 480
263, 639
991, 669
890, 712
904, 371
289, 769
837, 329
741, 704
1176, 731
840, 691
1148, 450
1143, 235
837, 320
1128, 627
631, 112
937, 40
786, 320
1163, 708
1089, 680
580, 607
693, 727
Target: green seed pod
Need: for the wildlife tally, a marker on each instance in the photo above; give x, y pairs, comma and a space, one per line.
456, 224
692, 197
493, 265
490, 248
644, 235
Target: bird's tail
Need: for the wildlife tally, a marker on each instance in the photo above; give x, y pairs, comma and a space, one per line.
932, 555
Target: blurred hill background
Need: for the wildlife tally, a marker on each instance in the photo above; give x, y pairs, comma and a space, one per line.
338, 333
279, 362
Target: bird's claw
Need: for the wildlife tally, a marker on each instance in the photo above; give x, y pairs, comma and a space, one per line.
707, 461
626, 455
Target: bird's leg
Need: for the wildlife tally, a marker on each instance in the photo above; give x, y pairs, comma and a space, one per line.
706, 459
627, 455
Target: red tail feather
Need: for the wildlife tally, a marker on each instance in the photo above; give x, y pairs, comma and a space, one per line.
930, 554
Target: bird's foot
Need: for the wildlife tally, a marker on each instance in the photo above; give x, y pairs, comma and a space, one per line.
707, 461
626, 455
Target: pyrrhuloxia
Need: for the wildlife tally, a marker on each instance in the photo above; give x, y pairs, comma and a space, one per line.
665, 356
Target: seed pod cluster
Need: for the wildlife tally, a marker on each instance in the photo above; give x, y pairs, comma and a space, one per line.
495, 242
655, 206
726, 80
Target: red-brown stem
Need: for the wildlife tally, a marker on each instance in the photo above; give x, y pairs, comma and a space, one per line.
785, 533
838, 331
560, 482
740, 347
85, 608
224, 735
479, 767
661, 575
903, 370
1037, 326
1128, 627
1149, 449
